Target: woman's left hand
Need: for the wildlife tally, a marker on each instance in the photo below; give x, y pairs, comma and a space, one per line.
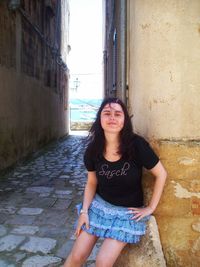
140, 213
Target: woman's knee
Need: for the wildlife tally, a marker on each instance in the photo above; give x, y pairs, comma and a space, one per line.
81, 249
77, 257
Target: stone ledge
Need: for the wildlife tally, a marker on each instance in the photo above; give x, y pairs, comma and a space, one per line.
147, 253
80, 126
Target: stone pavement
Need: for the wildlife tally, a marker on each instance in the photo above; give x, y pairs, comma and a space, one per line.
37, 206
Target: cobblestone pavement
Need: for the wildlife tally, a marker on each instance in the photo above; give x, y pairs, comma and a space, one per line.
37, 206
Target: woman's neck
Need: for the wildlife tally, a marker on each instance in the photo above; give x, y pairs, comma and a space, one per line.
111, 151
112, 141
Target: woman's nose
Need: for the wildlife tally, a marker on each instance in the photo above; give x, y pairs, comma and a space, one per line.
112, 116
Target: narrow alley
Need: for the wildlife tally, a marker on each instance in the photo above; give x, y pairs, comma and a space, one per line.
148, 56
37, 205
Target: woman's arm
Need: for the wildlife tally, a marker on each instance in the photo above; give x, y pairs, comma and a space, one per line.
160, 175
90, 190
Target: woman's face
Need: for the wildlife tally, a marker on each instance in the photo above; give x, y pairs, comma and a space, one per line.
112, 118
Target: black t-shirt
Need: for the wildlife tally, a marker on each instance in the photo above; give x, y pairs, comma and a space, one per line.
119, 182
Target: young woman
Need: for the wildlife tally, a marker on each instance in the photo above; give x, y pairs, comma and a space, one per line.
113, 206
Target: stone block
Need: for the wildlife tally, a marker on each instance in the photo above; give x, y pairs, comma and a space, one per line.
44, 195
40, 189
21, 219
38, 244
41, 261
62, 204
54, 231
147, 253
63, 192
41, 202
64, 176
6, 264
180, 237
80, 126
52, 217
62, 196
10, 242
8, 210
25, 230
30, 211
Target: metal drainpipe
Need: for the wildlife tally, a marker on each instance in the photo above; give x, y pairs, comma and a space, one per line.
123, 46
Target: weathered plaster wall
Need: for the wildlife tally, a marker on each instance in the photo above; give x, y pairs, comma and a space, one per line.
33, 79
30, 114
164, 65
179, 210
164, 80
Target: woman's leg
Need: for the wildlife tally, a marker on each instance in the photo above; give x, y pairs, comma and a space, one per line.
81, 250
109, 252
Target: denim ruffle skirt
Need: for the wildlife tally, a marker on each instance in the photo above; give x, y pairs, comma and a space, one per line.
109, 221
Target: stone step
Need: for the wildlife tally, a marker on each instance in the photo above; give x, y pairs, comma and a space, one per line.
148, 253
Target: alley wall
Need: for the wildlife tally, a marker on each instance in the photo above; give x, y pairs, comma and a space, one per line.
163, 78
33, 77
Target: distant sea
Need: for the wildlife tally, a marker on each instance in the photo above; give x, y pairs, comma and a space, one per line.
83, 110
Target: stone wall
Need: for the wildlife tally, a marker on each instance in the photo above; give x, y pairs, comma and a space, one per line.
34, 79
80, 126
163, 79
178, 212
148, 252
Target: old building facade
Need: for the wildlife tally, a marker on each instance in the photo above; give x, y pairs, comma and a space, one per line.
161, 88
33, 76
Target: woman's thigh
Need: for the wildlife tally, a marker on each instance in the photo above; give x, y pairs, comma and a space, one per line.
84, 244
109, 252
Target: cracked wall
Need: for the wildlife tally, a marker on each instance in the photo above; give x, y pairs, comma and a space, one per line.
163, 77
178, 212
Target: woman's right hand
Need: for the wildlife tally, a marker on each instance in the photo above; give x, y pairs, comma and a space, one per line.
83, 219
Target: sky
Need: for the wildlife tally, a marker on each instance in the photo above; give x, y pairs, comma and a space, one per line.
86, 55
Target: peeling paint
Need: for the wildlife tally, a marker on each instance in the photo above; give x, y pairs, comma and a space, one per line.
196, 226
186, 161
182, 192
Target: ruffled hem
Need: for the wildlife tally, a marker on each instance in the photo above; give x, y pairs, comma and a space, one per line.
114, 234
109, 221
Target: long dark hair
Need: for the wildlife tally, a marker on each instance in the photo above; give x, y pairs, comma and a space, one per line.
96, 137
